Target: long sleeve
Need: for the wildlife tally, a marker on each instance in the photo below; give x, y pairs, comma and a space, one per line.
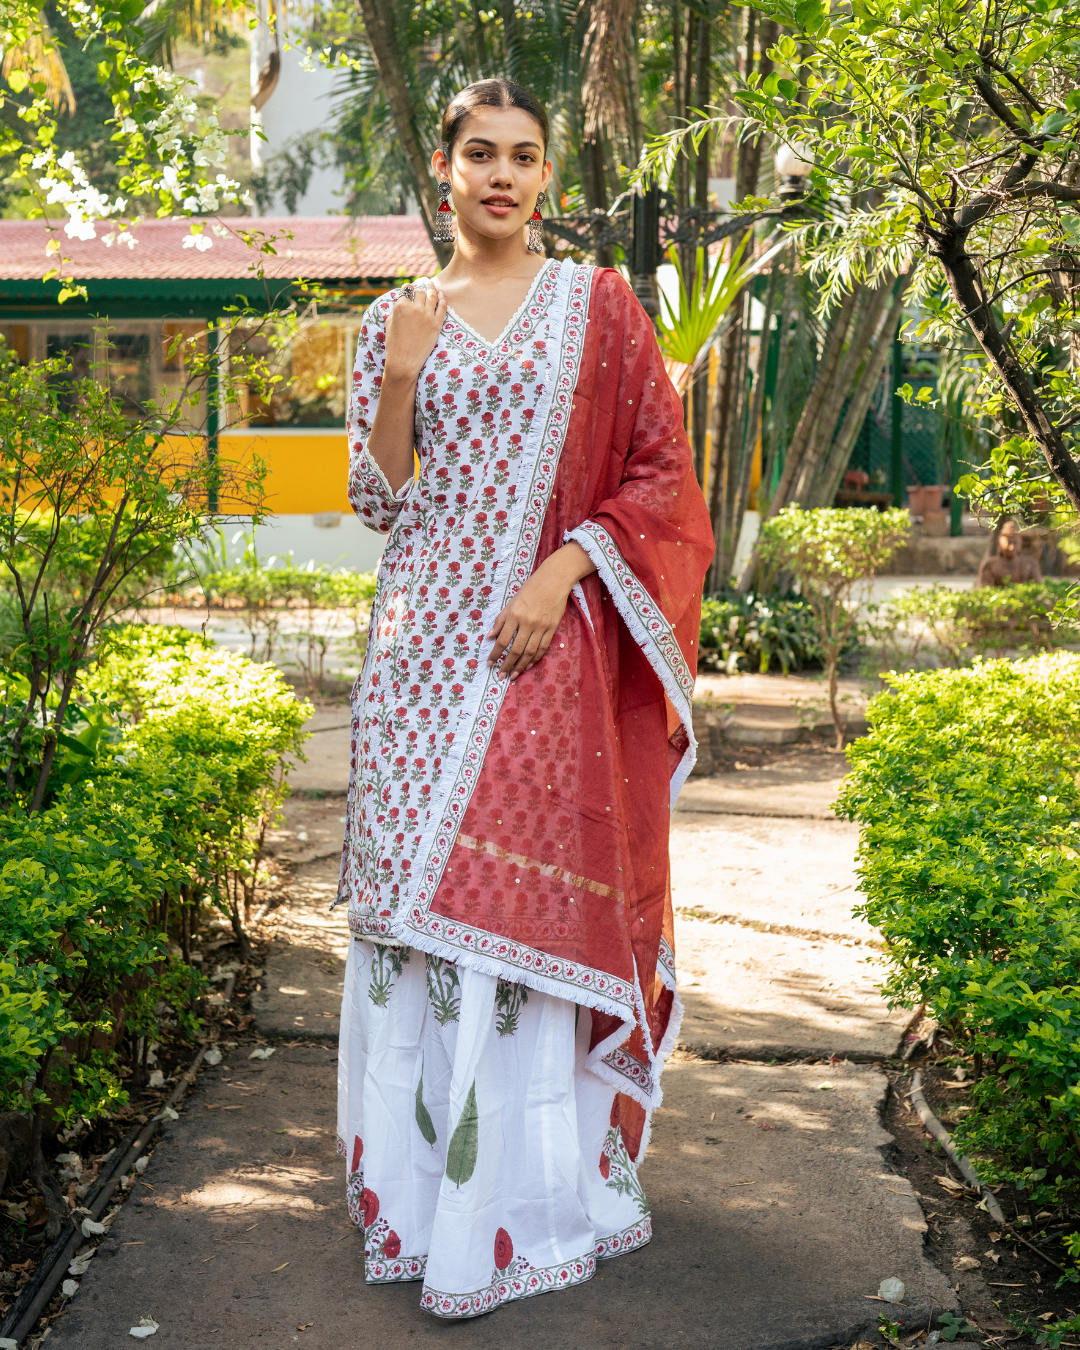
372, 497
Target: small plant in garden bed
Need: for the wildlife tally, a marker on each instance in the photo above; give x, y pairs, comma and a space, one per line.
830, 553
757, 633
335, 605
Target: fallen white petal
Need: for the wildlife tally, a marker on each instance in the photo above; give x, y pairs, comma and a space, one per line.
213, 1055
69, 1287
167, 1113
141, 1164
264, 1053
90, 1228
146, 1327
157, 1079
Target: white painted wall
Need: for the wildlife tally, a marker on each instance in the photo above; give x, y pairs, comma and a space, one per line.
300, 103
345, 543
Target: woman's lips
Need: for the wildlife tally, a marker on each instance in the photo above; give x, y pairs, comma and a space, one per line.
498, 208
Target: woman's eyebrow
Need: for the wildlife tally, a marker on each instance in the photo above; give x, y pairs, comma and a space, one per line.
521, 145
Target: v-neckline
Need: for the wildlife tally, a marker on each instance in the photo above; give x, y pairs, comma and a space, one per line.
494, 345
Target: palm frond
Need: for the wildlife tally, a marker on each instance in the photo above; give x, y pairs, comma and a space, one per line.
39, 59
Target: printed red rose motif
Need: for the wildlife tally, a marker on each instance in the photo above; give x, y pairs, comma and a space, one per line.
392, 1245
615, 1112
504, 1249
605, 1166
369, 1205
357, 1153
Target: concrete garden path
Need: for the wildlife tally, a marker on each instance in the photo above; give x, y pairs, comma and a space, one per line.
775, 1212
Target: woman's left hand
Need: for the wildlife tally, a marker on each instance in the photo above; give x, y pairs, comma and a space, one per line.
525, 627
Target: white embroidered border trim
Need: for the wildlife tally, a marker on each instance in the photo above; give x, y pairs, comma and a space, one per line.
531, 1282
649, 629
511, 1287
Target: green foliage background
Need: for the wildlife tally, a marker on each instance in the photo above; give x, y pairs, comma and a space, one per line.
968, 794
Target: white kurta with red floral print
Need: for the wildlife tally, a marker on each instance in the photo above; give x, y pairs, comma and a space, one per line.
484, 1156
438, 577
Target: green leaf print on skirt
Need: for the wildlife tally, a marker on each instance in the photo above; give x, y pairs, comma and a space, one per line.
423, 1119
461, 1155
444, 990
510, 998
386, 965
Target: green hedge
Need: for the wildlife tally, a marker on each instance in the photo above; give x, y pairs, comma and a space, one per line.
161, 827
968, 793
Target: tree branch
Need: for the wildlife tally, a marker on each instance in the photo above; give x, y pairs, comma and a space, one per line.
1058, 191
1000, 108
1028, 98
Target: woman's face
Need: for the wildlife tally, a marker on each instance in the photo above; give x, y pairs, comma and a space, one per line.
497, 169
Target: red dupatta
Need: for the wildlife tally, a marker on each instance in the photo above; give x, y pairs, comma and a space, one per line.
548, 864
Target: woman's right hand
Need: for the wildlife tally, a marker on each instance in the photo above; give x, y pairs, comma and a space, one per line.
412, 329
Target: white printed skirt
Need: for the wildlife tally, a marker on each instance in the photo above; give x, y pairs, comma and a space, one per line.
481, 1153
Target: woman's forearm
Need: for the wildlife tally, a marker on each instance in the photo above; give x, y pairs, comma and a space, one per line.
393, 433
567, 566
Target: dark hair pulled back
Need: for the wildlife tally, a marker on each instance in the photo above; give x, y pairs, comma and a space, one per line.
490, 94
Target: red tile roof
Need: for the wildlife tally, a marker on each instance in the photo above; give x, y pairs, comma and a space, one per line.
322, 247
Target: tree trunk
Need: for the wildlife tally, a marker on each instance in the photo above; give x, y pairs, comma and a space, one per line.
805, 429
722, 411
965, 286
749, 162
870, 303
701, 99
382, 38
684, 93
42, 1173
769, 443
833, 472
594, 182
753, 423
700, 418
634, 134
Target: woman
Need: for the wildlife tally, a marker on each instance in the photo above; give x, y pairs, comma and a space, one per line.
521, 726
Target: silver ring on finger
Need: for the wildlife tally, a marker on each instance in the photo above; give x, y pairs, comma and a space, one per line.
408, 292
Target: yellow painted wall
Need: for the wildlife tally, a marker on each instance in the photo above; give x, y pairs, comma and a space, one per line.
305, 473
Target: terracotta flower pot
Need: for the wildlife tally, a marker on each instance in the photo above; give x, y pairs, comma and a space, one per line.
925, 501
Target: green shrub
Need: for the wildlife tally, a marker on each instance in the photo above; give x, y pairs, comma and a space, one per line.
181, 771
830, 552
96, 497
967, 794
210, 733
756, 632
956, 626
84, 896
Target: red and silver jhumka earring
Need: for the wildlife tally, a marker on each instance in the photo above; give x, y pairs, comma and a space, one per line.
444, 216
536, 225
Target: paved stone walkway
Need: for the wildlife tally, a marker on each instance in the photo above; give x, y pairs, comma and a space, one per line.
774, 1218
775, 1212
